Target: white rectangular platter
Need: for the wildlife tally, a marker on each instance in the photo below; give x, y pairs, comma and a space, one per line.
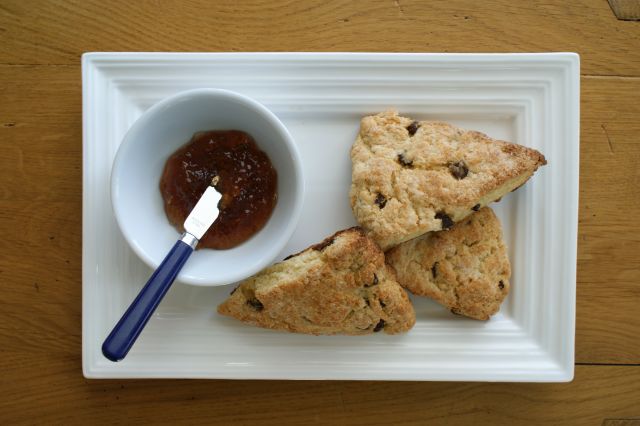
530, 99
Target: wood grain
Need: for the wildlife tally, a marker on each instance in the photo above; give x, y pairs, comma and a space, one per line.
56, 392
609, 239
40, 208
57, 32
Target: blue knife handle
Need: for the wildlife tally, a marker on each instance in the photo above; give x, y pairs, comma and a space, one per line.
127, 330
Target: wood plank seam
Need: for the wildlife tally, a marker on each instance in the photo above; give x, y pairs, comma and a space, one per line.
607, 364
626, 10
622, 421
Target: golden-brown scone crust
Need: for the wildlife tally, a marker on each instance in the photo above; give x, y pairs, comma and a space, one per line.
410, 178
339, 286
465, 268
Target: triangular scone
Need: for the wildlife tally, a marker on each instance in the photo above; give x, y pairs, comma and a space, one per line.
465, 268
339, 286
410, 177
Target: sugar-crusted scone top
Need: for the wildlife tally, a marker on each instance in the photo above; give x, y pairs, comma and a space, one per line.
465, 269
339, 286
410, 178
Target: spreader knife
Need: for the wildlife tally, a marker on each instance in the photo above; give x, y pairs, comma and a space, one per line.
127, 330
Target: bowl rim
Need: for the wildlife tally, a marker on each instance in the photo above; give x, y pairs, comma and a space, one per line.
294, 214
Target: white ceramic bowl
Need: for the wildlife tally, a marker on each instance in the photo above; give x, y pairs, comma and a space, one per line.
169, 124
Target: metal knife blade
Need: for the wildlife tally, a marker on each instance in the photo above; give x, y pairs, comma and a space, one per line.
205, 212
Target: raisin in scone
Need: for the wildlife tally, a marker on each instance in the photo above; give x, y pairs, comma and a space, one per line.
410, 177
339, 286
465, 268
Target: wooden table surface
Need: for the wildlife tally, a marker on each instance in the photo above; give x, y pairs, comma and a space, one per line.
40, 207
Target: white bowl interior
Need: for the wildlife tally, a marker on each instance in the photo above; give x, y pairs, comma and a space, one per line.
166, 126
